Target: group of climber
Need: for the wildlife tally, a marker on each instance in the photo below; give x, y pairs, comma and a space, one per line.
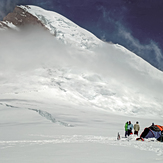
129, 127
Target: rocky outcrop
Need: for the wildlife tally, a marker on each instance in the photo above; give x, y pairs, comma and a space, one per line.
18, 18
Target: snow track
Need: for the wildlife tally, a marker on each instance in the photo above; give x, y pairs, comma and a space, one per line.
152, 146
60, 139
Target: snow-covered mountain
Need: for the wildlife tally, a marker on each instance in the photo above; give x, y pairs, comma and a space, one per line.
75, 66
64, 94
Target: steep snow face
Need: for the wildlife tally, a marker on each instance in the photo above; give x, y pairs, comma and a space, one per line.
64, 29
39, 67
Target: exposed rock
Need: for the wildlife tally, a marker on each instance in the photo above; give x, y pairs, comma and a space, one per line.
19, 17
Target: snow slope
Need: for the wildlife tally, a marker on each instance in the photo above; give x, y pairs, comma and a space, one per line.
67, 103
104, 75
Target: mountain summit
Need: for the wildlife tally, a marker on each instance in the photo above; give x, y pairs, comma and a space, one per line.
61, 27
19, 17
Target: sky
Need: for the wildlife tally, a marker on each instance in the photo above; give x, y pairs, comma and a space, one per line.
137, 25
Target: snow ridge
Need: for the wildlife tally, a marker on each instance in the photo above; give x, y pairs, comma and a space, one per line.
44, 114
50, 117
64, 29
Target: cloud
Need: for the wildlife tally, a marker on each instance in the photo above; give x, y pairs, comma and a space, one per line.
28, 48
33, 48
117, 31
27, 52
151, 51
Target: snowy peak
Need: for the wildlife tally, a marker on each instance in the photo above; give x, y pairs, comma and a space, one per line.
64, 29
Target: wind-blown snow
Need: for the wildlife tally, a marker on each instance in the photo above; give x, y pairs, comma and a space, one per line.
65, 103
109, 77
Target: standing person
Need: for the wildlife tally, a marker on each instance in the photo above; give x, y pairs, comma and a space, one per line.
152, 124
130, 127
126, 129
136, 128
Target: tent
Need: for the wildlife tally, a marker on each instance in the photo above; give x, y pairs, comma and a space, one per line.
154, 131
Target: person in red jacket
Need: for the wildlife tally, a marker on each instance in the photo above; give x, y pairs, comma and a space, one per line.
130, 127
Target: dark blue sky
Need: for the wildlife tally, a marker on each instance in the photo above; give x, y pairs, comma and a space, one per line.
135, 24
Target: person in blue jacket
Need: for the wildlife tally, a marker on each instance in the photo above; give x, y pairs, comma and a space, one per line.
130, 127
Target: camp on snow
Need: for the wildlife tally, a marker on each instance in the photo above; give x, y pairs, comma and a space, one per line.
154, 131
